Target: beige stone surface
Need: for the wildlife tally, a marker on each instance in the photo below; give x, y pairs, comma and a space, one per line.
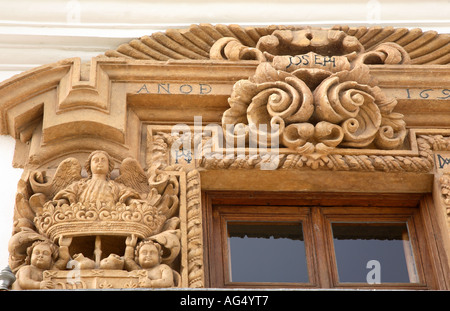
356, 111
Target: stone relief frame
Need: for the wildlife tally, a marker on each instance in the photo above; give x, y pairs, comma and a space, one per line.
128, 101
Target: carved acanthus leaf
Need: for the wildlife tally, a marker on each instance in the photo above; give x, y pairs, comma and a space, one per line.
324, 97
340, 111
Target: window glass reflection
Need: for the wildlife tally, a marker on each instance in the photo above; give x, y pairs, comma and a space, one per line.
267, 252
373, 253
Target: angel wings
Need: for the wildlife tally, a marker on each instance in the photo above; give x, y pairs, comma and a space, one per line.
152, 187
70, 170
159, 190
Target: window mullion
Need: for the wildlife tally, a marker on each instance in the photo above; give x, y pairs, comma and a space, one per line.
321, 249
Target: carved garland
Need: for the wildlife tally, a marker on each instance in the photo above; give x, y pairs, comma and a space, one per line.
194, 231
444, 181
338, 161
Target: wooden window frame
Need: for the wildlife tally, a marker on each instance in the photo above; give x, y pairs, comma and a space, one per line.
280, 217
316, 211
380, 215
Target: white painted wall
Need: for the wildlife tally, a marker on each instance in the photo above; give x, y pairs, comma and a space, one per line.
34, 33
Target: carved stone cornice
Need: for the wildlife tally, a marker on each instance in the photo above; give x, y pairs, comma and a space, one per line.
196, 42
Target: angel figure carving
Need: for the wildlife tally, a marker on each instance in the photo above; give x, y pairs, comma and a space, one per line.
69, 187
131, 196
98, 188
96, 212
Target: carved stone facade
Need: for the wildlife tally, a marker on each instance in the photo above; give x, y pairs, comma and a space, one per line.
167, 116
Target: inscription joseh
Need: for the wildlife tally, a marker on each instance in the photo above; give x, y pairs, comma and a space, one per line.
306, 60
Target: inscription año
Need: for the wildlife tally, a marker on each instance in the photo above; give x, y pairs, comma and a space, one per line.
175, 88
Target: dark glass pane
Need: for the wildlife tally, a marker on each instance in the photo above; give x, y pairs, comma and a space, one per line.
373, 253
264, 252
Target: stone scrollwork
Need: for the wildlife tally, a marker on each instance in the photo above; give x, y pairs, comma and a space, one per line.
201, 42
326, 42
288, 42
323, 98
69, 223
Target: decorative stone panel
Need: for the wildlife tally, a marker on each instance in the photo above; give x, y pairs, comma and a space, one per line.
167, 112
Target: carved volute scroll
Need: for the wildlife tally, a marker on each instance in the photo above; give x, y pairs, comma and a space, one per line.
97, 231
315, 87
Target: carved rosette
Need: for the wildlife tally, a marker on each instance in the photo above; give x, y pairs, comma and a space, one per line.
310, 102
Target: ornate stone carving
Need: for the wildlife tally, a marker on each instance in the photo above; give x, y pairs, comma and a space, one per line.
196, 42
314, 102
336, 160
442, 143
289, 42
194, 230
318, 84
444, 182
161, 144
65, 220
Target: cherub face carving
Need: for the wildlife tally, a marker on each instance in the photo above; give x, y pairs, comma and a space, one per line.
148, 256
41, 257
99, 164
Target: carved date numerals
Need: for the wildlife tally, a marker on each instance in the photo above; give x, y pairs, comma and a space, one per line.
442, 94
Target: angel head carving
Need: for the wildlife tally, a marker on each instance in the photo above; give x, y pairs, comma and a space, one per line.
41, 254
99, 163
148, 254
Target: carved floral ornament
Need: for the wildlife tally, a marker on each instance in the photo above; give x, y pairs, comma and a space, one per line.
313, 91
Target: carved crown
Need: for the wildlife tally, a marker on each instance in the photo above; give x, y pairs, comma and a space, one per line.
140, 219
